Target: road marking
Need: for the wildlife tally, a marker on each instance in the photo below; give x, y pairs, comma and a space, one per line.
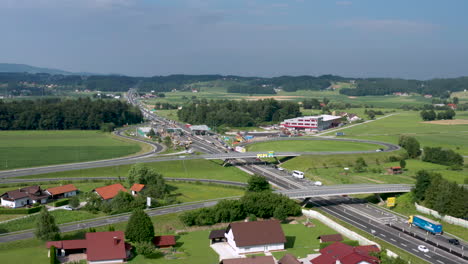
440, 261
392, 239
403, 244
414, 250
383, 235
427, 256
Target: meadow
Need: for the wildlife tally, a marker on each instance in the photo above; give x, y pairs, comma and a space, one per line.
311, 145
21, 149
196, 169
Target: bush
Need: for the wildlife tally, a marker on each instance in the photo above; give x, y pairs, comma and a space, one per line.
352, 243
21, 210
145, 248
393, 159
53, 255
61, 202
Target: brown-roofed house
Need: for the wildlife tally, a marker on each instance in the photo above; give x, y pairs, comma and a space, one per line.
164, 241
289, 259
110, 191
99, 247
256, 236
137, 188
250, 260
330, 238
394, 170
345, 254
62, 191
24, 196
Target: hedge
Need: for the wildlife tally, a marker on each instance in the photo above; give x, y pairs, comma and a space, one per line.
21, 210
53, 256
352, 243
61, 202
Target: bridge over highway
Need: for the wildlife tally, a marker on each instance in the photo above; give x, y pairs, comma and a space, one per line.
333, 190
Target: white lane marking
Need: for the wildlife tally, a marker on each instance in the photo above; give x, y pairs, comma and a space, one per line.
403, 244
440, 261
414, 250
392, 239
427, 256
383, 235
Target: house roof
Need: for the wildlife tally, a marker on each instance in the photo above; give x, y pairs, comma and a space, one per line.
137, 187
395, 168
33, 192
110, 191
356, 258
251, 260
105, 246
257, 233
217, 233
346, 254
68, 244
331, 238
62, 189
289, 259
164, 241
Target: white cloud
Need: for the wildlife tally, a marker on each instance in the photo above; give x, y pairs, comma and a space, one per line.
388, 25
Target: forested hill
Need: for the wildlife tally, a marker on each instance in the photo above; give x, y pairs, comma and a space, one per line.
233, 84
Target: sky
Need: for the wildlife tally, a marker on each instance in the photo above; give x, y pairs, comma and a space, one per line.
419, 39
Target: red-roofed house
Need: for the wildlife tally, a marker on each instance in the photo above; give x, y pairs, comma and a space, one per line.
99, 247
62, 191
137, 188
453, 106
164, 241
340, 253
110, 191
395, 170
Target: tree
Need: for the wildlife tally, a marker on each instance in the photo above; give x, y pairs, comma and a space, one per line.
455, 100
257, 183
155, 185
121, 203
46, 229
167, 141
411, 145
145, 248
139, 227
151, 133
402, 163
74, 201
280, 213
53, 255
423, 181
360, 165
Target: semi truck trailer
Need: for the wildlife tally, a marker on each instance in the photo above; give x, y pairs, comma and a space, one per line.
427, 224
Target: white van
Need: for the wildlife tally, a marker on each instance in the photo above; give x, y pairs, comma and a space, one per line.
318, 183
298, 174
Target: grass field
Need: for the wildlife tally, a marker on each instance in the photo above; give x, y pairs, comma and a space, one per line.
310, 145
20, 149
197, 169
409, 123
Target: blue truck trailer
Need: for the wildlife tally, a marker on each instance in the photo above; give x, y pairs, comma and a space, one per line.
426, 224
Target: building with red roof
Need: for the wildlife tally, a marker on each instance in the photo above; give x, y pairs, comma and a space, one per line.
99, 247
164, 241
110, 191
395, 170
62, 191
137, 188
340, 253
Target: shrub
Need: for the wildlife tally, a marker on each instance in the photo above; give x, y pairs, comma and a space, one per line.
61, 202
53, 255
20, 210
145, 248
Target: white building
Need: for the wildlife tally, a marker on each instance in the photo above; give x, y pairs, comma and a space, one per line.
256, 236
24, 196
311, 123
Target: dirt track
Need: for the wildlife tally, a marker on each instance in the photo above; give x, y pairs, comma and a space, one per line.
448, 122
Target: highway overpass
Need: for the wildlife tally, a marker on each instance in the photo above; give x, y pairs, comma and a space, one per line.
333, 190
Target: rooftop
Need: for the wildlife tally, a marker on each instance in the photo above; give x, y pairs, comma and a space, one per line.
110, 191
137, 187
251, 260
62, 189
164, 241
105, 245
257, 233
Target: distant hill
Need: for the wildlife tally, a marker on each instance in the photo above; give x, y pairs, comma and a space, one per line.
12, 67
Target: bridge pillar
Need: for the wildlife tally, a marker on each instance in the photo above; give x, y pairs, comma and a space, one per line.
378, 197
305, 202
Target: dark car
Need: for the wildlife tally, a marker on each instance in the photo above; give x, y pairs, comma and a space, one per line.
454, 241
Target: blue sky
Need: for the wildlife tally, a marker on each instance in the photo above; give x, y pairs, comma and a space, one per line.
355, 38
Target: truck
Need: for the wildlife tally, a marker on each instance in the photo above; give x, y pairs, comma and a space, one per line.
427, 224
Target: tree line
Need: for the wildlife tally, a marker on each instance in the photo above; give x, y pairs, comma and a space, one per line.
437, 193
442, 156
56, 114
430, 115
238, 113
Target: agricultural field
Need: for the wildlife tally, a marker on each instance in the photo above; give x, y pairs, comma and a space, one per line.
311, 145
21, 149
197, 169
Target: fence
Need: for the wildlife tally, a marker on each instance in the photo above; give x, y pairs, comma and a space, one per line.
446, 218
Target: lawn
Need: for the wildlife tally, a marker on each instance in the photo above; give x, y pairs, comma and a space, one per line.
20, 149
311, 145
197, 169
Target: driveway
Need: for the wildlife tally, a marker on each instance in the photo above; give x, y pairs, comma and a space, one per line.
225, 251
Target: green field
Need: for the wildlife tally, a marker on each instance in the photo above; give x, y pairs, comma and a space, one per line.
197, 169
409, 123
311, 145
20, 149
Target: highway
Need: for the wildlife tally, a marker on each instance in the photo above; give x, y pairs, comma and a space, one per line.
348, 189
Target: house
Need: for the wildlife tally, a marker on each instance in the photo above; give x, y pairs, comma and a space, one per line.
98, 247
289, 259
256, 236
110, 191
164, 241
452, 106
136, 188
24, 196
340, 253
353, 118
330, 238
63, 191
395, 170
250, 260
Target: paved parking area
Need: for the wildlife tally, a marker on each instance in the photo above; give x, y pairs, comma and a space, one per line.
225, 251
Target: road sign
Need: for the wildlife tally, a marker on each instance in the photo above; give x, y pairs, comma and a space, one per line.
391, 201
270, 154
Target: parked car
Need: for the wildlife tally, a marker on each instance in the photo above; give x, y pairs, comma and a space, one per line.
454, 241
423, 248
67, 207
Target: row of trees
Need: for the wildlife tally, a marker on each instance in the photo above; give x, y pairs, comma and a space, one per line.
429, 115
435, 192
238, 113
442, 156
56, 114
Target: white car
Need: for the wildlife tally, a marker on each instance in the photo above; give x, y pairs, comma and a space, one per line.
67, 207
280, 169
423, 248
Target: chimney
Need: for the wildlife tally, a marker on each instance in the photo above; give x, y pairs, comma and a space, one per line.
116, 240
